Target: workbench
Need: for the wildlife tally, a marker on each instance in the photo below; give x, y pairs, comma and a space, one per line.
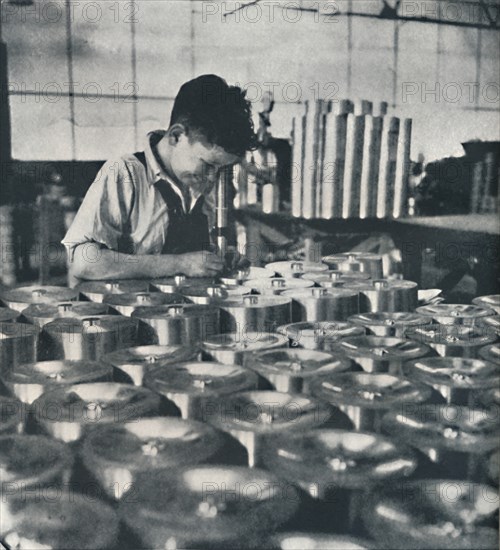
461, 244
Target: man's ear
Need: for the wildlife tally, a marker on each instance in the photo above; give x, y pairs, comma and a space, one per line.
175, 132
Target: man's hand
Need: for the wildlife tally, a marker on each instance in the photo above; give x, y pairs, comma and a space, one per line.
200, 264
234, 260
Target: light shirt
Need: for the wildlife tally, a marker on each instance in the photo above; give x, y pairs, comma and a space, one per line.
124, 199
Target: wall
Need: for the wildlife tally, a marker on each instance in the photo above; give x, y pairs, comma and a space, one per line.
117, 100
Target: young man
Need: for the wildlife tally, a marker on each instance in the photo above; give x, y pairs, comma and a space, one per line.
149, 214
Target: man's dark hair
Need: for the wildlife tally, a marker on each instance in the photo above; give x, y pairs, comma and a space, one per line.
220, 113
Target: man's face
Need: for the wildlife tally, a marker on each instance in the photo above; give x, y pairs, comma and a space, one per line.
197, 164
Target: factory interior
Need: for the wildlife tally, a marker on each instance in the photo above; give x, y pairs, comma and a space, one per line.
329, 377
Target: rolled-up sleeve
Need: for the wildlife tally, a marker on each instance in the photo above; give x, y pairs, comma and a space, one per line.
105, 211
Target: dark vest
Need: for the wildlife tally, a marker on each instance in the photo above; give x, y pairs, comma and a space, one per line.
187, 232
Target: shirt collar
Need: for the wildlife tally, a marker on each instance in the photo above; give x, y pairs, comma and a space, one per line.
157, 173
155, 170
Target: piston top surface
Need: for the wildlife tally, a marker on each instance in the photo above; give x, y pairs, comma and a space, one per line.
153, 442
298, 362
95, 325
53, 373
113, 287
454, 313
373, 391
62, 519
348, 459
32, 458
395, 319
320, 330
249, 341
457, 372
451, 335
278, 284
381, 348
204, 377
434, 513
96, 402
270, 411
450, 427
40, 312
149, 355
19, 298
296, 268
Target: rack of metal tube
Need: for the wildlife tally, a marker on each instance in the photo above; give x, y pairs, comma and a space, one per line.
350, 160
300, 405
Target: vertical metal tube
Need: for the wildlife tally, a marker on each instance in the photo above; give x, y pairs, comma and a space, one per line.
221, 209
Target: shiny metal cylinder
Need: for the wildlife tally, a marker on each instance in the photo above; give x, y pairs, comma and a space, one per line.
256, 417
490, 302
457, 379
41, 314
292, 370
317, 541
380, 354
116, 453
21, 297
206, 507
319, 335
172, 285
195, 386
127, 303
86, 339
8, 315
490, 353
296, 268
334, 277
177, 325
96, 290
68, 412
364, 397
454, 314
433, 513
277, 285
234, 349
13, 414
491, 325
255, 314
452, 340
18, 344
29, 380
33, 461
239, 276
452, 437
364, 262
388, 324
322, 304
57, 519
206, 295
337, 468
131, 364
385, 295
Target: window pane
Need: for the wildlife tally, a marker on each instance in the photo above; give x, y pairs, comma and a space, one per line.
36, 44
41, 128
163, 38
152, 115
104, 129
102, 45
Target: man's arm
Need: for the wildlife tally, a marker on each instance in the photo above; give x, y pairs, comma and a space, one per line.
94, 263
